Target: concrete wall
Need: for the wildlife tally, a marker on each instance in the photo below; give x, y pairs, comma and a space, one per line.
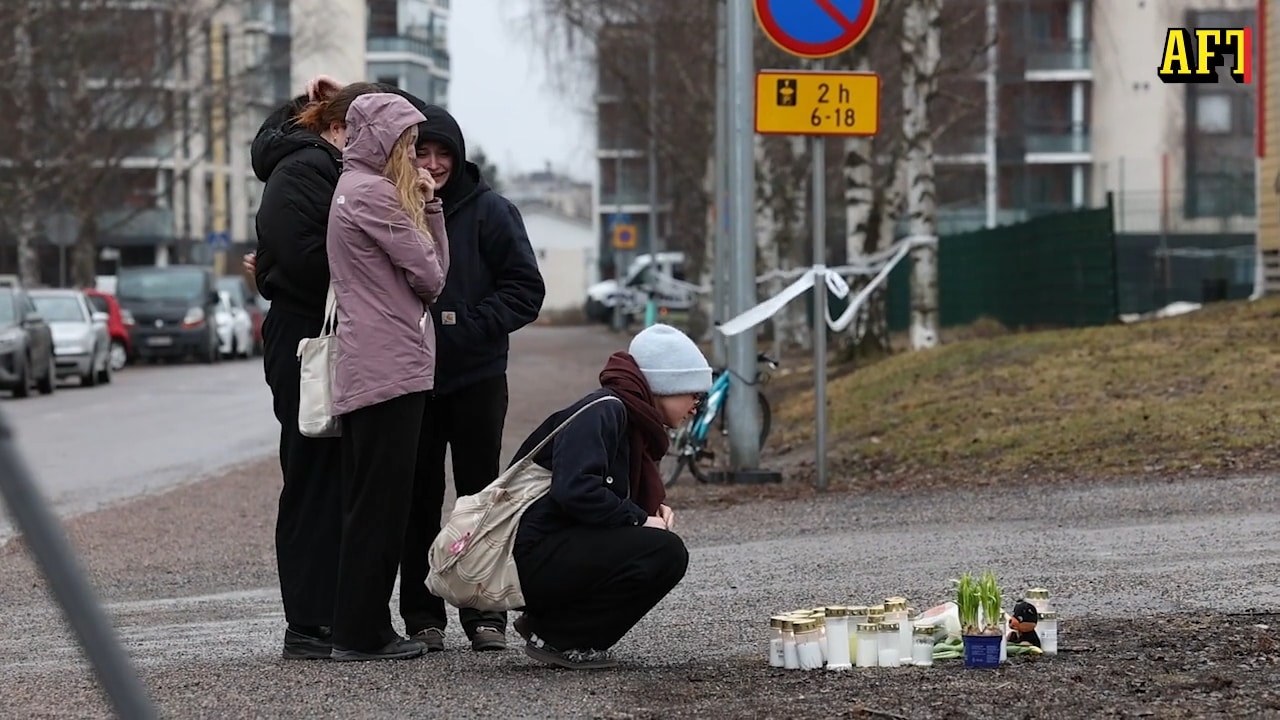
328, 38
566, 249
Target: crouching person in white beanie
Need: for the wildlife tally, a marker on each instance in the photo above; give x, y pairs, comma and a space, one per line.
597, 552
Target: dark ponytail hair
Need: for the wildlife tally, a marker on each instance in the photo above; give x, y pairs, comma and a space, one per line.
320, 115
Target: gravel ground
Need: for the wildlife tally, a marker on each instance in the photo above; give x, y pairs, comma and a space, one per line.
1167, 592
1158, 585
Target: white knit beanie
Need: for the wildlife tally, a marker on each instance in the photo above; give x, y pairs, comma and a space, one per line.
670, 361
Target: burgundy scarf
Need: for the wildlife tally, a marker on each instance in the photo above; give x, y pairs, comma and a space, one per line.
645, 430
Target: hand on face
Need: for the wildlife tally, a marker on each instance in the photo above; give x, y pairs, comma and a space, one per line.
426, 184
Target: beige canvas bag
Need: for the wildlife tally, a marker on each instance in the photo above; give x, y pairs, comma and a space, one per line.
471, 559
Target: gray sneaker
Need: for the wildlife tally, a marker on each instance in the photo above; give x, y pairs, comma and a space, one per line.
488, 638
431, 638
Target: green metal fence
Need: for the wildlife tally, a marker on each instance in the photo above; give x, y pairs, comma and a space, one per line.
1056, 270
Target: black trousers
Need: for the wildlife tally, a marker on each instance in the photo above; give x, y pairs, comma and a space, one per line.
586, 587
309, 520
379, 454
469, 422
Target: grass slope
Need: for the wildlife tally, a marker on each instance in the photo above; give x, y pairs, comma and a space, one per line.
1195, 393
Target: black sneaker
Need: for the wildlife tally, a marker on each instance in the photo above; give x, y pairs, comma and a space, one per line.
306, 646
569, 659
398, 649
431, 638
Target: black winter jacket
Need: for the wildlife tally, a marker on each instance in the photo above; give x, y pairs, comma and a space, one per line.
300, 170
590, 472
494, 286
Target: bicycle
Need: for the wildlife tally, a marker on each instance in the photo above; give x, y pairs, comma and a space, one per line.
694, 445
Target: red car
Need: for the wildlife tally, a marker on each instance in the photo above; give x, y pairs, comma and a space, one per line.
117, 328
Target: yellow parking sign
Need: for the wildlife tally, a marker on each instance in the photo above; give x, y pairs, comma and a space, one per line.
624, 236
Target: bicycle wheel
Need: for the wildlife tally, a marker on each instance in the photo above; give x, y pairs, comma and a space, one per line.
677, 456
766, 417
715, 453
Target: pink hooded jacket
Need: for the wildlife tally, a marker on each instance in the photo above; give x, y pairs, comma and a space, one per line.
384, 270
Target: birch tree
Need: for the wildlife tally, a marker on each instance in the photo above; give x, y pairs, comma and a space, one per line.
921, 55
608, 41
29, 171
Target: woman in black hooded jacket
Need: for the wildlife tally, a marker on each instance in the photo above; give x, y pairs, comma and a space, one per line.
298, 154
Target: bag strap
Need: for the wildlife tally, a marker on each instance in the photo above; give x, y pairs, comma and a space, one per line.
330, 313
550, 436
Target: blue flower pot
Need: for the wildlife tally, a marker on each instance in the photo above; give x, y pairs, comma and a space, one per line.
982, 651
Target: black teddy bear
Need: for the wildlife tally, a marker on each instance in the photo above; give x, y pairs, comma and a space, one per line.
1022, 624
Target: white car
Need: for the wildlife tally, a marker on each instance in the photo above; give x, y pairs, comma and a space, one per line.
235, 327
81, 343
660, 277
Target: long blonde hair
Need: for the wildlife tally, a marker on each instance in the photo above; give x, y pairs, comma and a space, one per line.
402, 172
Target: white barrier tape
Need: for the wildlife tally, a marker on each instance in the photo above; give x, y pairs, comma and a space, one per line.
841, 323
768, 308
835, 284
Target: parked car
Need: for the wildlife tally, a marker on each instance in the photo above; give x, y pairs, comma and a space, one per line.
81, 343
242, 311
121, 348
258, 310
170, 311
26, 343
660, 276
235, 329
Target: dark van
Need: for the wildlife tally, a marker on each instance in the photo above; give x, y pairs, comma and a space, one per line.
169, 311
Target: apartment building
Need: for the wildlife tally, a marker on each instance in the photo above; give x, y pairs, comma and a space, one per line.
408, 46
1073, 110
190, 191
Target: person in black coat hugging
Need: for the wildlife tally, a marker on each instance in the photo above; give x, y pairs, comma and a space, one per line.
494, 288
298, 154
597, 552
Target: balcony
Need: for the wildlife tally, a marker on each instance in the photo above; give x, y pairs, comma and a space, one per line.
960, 147
1063, 58
628, 196
1067, 141
143, 226
1069, 55
410, 46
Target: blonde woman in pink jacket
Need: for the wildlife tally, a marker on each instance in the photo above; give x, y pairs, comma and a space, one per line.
388, 258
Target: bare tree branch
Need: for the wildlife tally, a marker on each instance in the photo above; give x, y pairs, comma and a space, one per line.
108, 93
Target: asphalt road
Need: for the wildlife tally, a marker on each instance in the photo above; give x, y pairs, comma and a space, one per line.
158, 426
153, 427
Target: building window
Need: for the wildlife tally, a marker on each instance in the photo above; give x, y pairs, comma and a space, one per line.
389, 80
1222, 194
1213, 113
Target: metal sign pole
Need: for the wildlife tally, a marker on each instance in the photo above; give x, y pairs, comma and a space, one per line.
720, 258
819, 206
66, 580
744, 429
